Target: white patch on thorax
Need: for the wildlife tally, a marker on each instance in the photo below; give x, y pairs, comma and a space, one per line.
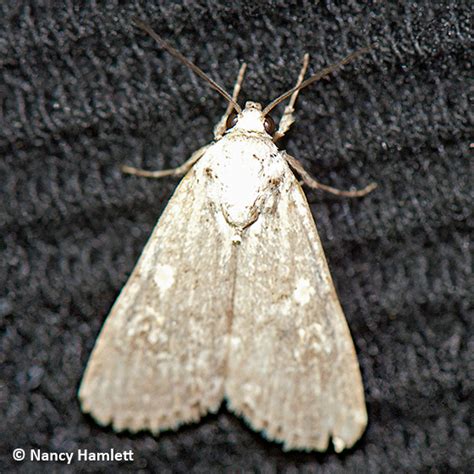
163, 276
243, 169
303, 291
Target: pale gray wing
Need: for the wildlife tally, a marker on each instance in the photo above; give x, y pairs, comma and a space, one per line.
292, 370
159, 360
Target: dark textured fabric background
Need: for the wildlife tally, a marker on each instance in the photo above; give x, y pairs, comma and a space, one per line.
83, 91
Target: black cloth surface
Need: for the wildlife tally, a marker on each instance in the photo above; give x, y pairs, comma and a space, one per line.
83, 92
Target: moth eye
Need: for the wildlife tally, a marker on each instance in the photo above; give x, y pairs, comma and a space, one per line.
269, 125
231, 120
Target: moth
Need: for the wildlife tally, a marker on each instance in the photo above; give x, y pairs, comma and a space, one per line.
232, 297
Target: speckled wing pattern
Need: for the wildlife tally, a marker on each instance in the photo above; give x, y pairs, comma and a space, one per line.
243, 311
292, 369
160, 358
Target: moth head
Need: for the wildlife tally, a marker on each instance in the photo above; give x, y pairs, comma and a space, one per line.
251, 119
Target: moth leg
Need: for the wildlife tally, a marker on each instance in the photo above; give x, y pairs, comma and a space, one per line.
287, 118
179, 171
220, 128
312, 183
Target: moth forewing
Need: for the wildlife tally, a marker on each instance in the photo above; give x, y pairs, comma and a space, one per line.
292, 370
159, 360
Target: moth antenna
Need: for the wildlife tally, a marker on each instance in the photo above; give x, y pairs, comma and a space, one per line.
323, 73
174, 52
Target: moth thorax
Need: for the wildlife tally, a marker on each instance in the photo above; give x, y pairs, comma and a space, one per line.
251, 118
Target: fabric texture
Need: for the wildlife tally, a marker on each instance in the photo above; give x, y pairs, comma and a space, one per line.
83, 91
